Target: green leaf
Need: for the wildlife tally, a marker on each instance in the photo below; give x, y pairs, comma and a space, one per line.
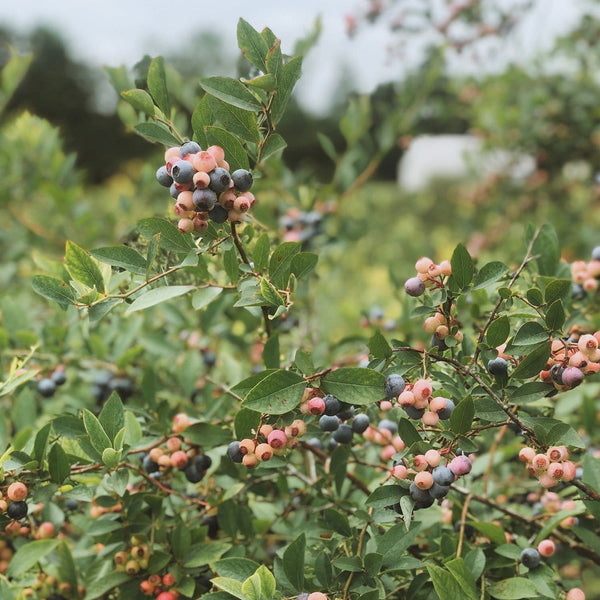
235, 568
563, 434
156, 132
239, 122
232, 92
462, 267
181, 539
379, 347
530, 333
53, 289
201, 118
489, 274
140, 100
67, 570
204, 553
281, 263
158, 295
279, 392
252, 45
260, 254
337, 521
270, 294
303, 263
444, 583
591, 471
231, 586
204, 296
28, 555
274, 58
108, 581
244, 386
267, 581
251, 587
170, 237
265, 82
408, 432
271, 352
290, 73
558, 289
246, 423
100, 441
531, 391
237, 157
354, 385
82, 267
353, 564
555, 316
293, 562
491, 531
101, 309
462, 416
546, 249
272, 145
498, 331
157, 84
58, 464
41, 442
112, 416
534, 362
111, 457
124, 257
513, 588
464, 577
230, 262
208, 435
386, 495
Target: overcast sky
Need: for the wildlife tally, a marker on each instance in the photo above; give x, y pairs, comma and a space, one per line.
114, 32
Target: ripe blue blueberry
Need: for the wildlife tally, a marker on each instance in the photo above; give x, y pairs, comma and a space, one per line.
443, 476
444, 415
71, 504
193, 474
242, 179
414, 287
438, 491
163, 177
578, 292
46, 387
332, 405
233, 451
360, 423
596, 253
388, 424
182, 172
394, 385
174, 191
346, 413
204, 200
328, 423
218, 214
531, 558
315, 443
17, 510
203, 462
414, 413
122, 385
189, 148
59, 377
417, 494
149, 465
219, 180
343, 434
332, 444
556, 373
497, 366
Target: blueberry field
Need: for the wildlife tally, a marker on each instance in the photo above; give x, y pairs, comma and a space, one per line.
241, 360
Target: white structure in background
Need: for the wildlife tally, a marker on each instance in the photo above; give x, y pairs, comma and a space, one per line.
456, 157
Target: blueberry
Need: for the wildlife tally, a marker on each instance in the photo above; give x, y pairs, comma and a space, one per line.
218, 214
189, 148
103, 378
556, 373
122, 385
219, 180
347, 413
497, 366
444, 415
417, 494
59, 377
315, 443
389, 425
242, 179
182, 172
596, 253
233, 451
376, 313
329, 423
360, 423
193, 474
414, 413
99, 393
71, 504
204, 200
46, 387
438, 491
394, 385
332, 405
149, 465
414, 287
17, 510
174, 191
443, 476
424, 503
437, 344
343, 434
163, 177
203, 462
530, 557
578, 292
209, 358
332, 444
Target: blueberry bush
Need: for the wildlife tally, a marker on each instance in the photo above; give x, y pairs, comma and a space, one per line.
181, 430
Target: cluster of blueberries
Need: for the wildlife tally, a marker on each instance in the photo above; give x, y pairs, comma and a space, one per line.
46, 386
106, 382
194, 471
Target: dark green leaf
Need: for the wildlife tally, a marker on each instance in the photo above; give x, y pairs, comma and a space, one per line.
101, 309
273, 144
323, 571
354, 385
121, 256
157, 295
303, 263
337, 521
170, 237
41, 442
230, 262
290, 73
252, 45
270, 294
271, 358
204, 296
201, 118
348, 563
386, 495
140, 100
444, 582
82, 267
591, 471
237, 157
260, 255
530, 333
293, 562
535, 297
491, 531
67, 570
239, 122
531, 391
231, 91
53, 289
462, 416
112, 416
513, 588
281, 262
274, 58
489, 274
235, 568
379, 346
562, 434
464, 577
408, 432
555, 316
155, 132
498, 331
462, 267
58, 464
558, 289
28, 555
546, 249
279, 392
533, 363
208, 435
100, 441
246, 423
265, 82
157, 84
205, 553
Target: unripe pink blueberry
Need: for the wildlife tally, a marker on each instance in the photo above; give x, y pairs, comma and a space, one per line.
400, 471
460, 465
217, 152
185, 225
406, 398
430, 418
178, 459
546, 548
575, 594
569, 470
424, 480
277, 439
250, 461
433, 457
316, 406
263, 452
317, 596
398, 443
431, 324
385, 405
420, 462
540, 462
422, 389
387, 452
555, 470
587, 343
173, 444
438, 403
546, 481
247, 446
265, 430
204, 161
526, 455
423, 264
446, 267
